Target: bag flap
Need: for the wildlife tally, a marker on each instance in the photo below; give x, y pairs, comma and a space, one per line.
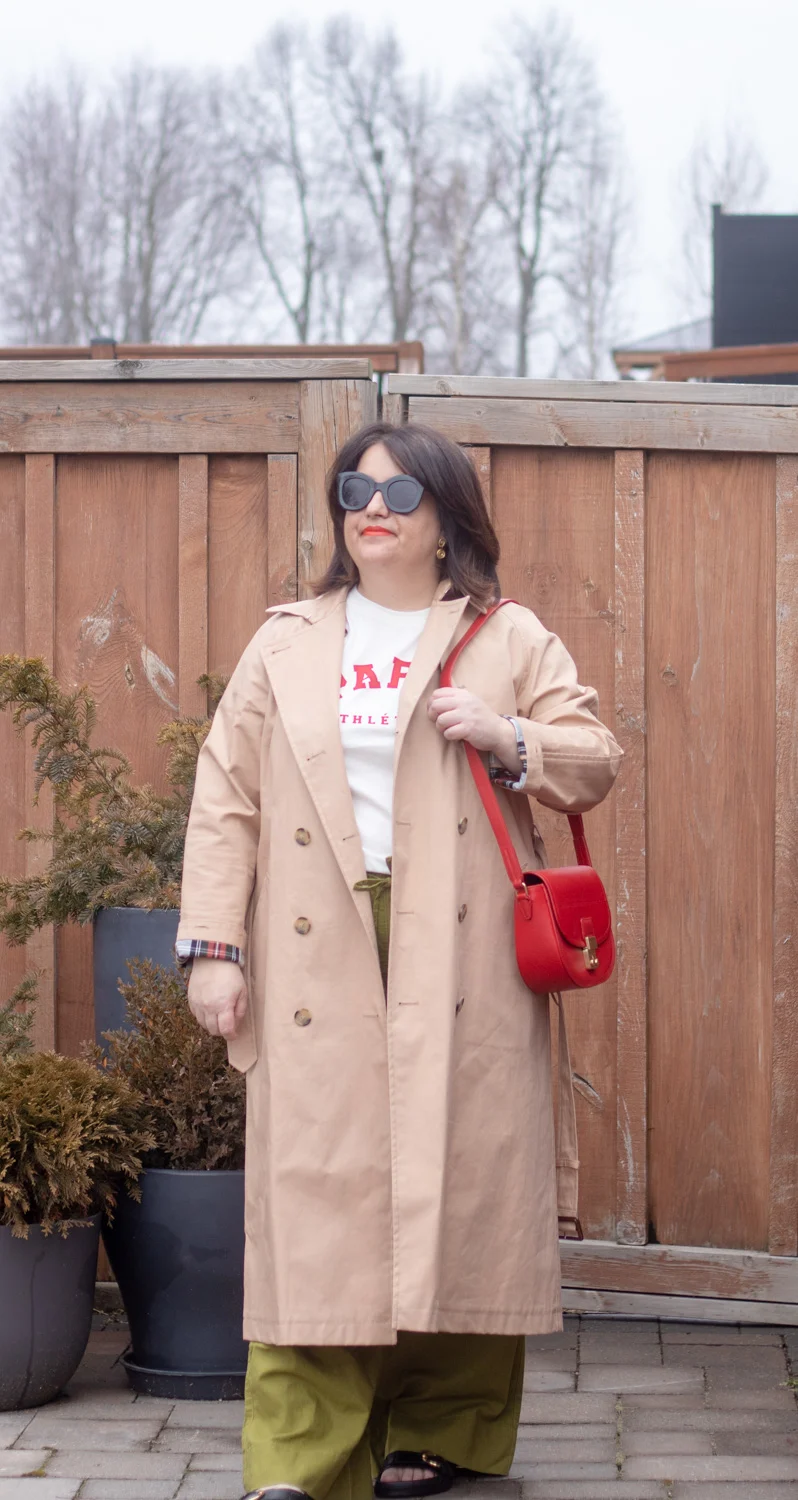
576, 894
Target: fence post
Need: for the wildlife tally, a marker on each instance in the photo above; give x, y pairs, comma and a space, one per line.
40, 641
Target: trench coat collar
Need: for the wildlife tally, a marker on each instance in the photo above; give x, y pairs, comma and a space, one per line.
305, 671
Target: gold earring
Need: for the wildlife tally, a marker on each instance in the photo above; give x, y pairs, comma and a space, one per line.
441, 552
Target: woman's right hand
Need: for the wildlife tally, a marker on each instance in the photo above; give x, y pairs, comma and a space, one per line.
217, 996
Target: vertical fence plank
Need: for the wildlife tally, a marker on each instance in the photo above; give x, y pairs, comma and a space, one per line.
360, 397
710, 752
329, 412
282, 528
394, 408
238, 554
783, 1217
117, 607
554, 512
317, 447
192, 581
13, 748
630, 729
40, 641
480, 458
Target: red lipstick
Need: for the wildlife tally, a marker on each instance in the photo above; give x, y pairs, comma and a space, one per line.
376, 531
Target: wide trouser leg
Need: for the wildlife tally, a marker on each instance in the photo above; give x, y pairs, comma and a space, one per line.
455, 1394
306, 1414
324, 1418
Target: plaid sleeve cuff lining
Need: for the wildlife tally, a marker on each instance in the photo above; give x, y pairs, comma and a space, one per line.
499, 773
187, 949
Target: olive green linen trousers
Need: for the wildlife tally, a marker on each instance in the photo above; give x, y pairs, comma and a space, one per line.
324, 1418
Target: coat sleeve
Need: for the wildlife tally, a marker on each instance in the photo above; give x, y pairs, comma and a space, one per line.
224, 821
572, 758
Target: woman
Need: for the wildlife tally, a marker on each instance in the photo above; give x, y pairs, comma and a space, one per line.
401, 1188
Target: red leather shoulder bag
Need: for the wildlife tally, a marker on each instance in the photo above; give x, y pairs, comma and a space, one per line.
563, 927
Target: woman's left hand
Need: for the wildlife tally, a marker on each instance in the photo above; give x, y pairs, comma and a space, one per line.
460, 715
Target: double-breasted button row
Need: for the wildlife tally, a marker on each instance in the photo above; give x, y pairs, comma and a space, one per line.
302, 924
302, 1017
462, 825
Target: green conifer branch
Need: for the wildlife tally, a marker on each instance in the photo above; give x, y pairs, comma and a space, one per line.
113, 843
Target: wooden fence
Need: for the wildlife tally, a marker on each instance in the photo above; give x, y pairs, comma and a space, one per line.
655, 528
149, 513
406, 356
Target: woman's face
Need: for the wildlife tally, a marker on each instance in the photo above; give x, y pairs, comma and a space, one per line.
376, 537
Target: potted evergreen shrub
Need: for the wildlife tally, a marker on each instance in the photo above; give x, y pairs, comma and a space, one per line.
69, 1135
177, 1252
117, 848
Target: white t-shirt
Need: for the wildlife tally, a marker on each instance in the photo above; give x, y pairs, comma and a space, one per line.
378, 648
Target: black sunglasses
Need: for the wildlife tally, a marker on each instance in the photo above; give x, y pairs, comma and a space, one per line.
402, 494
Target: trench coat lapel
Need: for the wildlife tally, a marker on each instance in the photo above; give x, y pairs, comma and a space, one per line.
305, 674
437, 636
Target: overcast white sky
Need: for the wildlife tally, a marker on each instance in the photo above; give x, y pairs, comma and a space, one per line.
669, 67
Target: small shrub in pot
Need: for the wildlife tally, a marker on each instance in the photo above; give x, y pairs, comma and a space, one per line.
116, 849
194, 1102
70, 1136
178, 1253
113, 843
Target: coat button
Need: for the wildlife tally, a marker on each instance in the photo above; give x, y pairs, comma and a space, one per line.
459, 1005
461, 915
302, 836
302, 926
462, 825
302, 1017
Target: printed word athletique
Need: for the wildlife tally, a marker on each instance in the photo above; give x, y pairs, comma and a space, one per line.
386, 720
366, 677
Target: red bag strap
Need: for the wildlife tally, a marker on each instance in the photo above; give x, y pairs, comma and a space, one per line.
484, 784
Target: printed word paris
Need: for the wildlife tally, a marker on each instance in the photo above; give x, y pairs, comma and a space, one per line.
366, 677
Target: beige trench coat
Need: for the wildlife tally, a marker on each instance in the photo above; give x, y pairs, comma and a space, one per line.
400, 1158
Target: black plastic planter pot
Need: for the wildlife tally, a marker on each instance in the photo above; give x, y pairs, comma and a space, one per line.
122, 933
178, 1257
46, 1301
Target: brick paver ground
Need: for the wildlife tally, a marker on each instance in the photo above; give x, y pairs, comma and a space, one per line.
614, 1409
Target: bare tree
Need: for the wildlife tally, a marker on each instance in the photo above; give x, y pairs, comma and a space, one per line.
728, 169
539, 107
327, 192
592, 259
466, 305
175, 228
115, 216
279, 175
53, 232
388, 124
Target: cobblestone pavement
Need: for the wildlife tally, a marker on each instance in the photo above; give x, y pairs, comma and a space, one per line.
612, 1408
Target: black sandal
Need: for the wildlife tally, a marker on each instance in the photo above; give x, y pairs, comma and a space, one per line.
441, 1479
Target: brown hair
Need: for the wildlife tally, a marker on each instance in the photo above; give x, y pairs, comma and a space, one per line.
472, 547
